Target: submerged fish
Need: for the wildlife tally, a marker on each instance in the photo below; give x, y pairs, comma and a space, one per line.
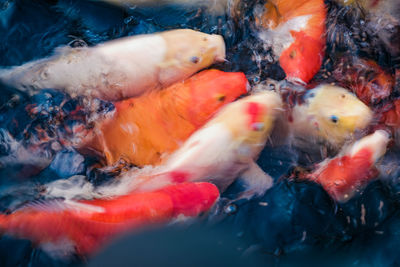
381, 21
86, 226
365, 78
330, 113
223, 149
390, 120
143, 129
296, 32
353, 168
120, 68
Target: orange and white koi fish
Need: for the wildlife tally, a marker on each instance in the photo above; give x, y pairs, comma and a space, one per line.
120, 68
86, 226
295, 31
353, 168
143, 129
222, 150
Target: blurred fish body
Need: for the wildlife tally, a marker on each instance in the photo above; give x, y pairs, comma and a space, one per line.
88, 225
121, 68
365, 78
222, 150
353, 168
390, 119
296, 32
143, 129
330, 113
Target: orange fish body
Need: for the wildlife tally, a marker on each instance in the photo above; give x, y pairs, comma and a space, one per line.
344, 175
143, 129
89, 224
298, 31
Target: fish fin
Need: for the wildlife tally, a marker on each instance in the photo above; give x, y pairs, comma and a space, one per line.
54, 205
75, 187
256, 182
167, 70
62, 249
58, 205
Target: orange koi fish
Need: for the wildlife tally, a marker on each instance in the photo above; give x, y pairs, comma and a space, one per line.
120, 68
353, 168
143, 129
295, 31
88, 225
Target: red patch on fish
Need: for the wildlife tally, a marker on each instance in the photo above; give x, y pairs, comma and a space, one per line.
341, 177
254, 110
189, 199
179, 176
90, 230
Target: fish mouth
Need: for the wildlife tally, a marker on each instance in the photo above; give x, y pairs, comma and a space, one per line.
217, 43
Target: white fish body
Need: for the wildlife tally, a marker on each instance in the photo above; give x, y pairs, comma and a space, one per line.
120, 68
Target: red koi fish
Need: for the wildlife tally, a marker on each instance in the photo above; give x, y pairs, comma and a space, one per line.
295, 31
143, 129
351, 171
88, 225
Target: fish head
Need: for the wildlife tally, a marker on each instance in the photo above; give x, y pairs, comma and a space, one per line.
251, 119
212, 89
303, 58
189, 51
337, 114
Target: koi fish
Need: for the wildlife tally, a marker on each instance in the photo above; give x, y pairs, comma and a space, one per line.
353, 168
390, 120
365, 78
88, 225
121, 68
143, 129
223, 149
329, 113
295, 31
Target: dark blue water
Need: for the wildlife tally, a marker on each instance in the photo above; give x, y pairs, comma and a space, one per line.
294, 223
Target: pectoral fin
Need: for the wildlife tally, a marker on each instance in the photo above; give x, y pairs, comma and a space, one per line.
167, 70
256, 181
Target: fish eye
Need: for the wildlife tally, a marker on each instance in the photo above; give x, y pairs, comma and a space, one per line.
334, 119
195, 59
221, 97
